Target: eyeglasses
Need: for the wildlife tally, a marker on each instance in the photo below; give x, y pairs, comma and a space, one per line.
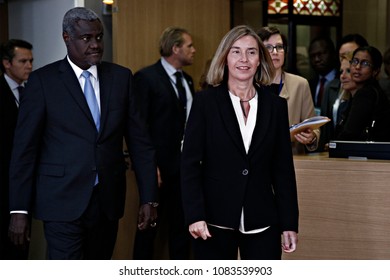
278, 48
363, 63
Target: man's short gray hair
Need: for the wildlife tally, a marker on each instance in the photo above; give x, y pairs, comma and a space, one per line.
74, 15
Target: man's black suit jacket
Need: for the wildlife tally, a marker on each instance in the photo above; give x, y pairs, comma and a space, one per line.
219, 178
57, 149
8, 118
158, 101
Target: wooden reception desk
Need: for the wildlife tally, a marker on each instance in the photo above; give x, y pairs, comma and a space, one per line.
344, 208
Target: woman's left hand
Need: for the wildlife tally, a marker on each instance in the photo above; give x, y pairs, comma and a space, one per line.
306, 137
289, 241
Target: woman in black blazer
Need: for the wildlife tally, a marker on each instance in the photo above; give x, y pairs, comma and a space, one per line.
367, 117
238, 180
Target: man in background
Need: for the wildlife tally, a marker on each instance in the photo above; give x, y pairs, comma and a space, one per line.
16, 59
67, 164
164, 94
324, 61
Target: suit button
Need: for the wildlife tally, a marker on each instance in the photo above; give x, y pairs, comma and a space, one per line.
245, 172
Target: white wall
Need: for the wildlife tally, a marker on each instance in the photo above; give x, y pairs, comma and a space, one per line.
40, 23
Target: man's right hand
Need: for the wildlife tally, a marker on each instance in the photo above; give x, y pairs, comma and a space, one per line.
147, 216
19, 229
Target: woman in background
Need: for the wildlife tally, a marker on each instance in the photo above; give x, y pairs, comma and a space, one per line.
335, 99
293, 88
347, 85
238, 180
367, 117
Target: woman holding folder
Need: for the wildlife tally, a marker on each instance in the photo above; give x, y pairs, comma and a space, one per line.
293, 88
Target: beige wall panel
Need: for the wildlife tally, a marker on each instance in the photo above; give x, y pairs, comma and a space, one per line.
370, 19
137, 25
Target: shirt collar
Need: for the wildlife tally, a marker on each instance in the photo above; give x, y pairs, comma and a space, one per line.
11, 83
78, 70
168, 67
330, 76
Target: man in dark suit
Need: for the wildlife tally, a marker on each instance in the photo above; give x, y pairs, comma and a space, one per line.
16, 65
159, 90
67, 164
323, 60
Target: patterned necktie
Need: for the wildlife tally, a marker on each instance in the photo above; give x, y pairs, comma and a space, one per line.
91, 98
181, 91
20, 90
321, 91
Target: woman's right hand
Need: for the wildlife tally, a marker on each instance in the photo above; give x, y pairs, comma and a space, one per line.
199, 229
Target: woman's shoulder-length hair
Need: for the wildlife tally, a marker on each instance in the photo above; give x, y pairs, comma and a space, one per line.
217, 71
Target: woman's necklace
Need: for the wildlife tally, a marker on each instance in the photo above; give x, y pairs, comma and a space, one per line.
252, 93
245, 106
248, 99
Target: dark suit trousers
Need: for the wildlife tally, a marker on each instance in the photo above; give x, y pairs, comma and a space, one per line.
171, 220
91, 237
224, 245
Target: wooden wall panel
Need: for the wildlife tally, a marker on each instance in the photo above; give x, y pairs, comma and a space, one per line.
137, 26
370, 19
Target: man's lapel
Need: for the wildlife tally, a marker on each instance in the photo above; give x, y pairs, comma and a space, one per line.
106, 84
71, 83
